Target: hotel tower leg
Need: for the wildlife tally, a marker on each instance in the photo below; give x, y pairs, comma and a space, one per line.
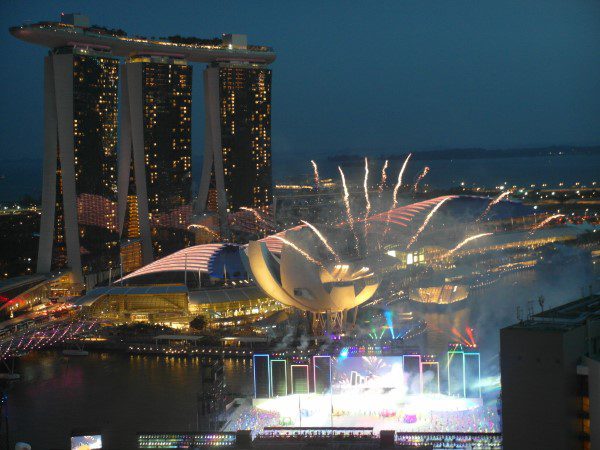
59, 122
132, 142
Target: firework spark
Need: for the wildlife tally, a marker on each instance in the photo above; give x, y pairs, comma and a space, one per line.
383, 176
316, 171
420, 177
346, 198
545, 222
471, 337
394, 198
366, 188
493, 202
467, 240
347, 204
460, 337
258, 217
399, 182
204, 228
426, 221
322, 238
299, 250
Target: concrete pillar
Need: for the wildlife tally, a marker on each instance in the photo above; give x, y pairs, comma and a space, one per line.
212, 146
133, 124
124, 156
63, 92
44, 261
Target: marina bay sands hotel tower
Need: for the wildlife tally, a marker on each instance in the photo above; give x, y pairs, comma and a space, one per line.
117, 173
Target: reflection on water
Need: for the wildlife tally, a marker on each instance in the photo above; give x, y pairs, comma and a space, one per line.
238, 373
120, 394
115, 393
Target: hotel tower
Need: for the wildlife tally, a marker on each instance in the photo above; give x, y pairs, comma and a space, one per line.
103, 208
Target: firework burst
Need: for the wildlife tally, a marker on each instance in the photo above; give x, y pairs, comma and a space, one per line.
395, 196
469, 331
204, 228
322, 238
399, 182
366, 188
258, 217
426, 221
346, 199
493, 202
299, 250
316, 172
467, 240
545, 222
420, 177
383, 177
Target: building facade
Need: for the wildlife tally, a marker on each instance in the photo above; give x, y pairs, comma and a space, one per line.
89, 205
237, 161
79, 194
156, 167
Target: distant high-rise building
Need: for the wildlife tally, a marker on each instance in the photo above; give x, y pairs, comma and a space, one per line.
237, 161
79, 196
245, 98
156, 120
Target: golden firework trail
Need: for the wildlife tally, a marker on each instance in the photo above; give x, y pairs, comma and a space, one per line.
420, 177
322, 238
347, 204
367, 201
257, 216
346, 195
316, 171
399, 182
366, 188
426, 221
466, 241
383, 176
546, 221
299, 250
493, 202
204, 228
394, 198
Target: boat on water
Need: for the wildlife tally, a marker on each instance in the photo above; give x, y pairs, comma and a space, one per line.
10, 376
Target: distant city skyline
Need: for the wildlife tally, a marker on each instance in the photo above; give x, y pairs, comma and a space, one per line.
368, 79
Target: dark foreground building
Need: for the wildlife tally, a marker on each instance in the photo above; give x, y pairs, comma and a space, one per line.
550, 366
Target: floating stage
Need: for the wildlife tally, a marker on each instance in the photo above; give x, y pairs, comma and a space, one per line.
409, 392
381, 410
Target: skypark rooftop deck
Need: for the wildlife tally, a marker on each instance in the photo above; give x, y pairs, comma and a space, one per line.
57, 34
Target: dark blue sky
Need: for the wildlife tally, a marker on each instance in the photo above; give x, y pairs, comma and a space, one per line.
368, 76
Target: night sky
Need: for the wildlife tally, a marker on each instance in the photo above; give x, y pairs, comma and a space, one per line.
368, 76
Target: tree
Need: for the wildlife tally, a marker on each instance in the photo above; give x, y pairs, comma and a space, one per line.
199, 323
